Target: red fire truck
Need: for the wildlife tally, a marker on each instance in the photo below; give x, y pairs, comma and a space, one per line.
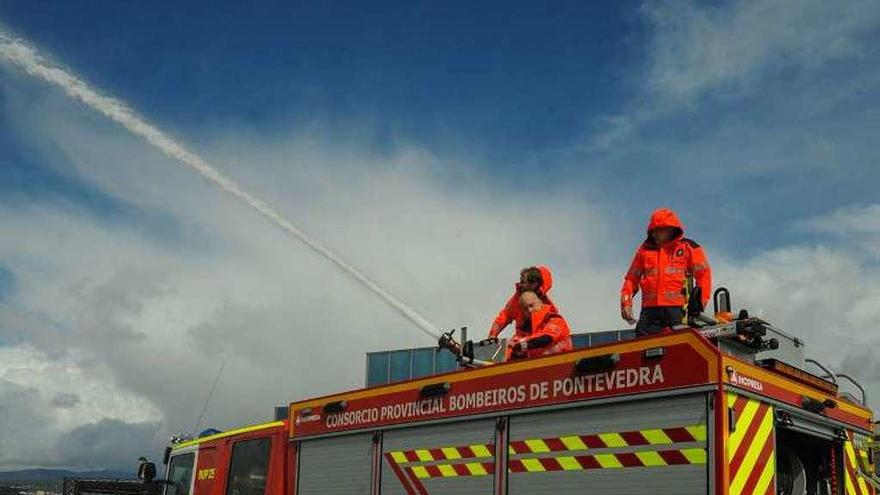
691, 412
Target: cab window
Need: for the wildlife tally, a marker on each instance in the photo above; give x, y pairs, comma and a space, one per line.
180, 471
249, 466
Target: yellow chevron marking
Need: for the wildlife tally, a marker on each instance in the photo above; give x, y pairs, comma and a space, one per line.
420, 472
766, 475
424, 455
447, 470
612, 440
476, 469
754, 450
537, 446
532, 465
451, 453
850, 487
608, 461
480, 451
656, 437
650, 458
569, 463
399, 457
862, 485
573, 443
698, 432
742, 425
695, 456
731, 399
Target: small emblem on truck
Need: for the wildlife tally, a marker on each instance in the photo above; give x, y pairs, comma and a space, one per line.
745, 381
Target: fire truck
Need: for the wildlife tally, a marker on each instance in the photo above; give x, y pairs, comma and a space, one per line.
699, 410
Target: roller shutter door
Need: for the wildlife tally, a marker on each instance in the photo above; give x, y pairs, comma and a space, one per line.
656, 447
440, 460
336, 466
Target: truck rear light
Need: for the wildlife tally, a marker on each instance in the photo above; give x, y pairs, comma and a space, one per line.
335, 407
597, 363
435, 389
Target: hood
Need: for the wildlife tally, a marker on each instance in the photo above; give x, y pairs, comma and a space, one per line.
546, 278
664, 217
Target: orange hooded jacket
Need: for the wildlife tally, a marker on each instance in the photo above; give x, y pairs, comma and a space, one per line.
660, 272
544, 322
511, 310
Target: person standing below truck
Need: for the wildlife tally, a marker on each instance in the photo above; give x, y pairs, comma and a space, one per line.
543, 332
533, 278
660, 269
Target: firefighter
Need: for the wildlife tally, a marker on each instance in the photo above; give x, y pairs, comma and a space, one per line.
543, 332
534, 278
660, 270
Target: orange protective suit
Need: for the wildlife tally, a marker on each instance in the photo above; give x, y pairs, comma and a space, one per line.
661, 272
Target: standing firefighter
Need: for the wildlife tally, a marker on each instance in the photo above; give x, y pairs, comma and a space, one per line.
660, 269
534, 278
543, 332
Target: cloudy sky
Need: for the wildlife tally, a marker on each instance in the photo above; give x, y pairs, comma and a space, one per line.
439, 147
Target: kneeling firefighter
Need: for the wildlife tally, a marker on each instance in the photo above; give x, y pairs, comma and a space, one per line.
543, 332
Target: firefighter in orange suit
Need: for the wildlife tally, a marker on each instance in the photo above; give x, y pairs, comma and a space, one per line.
534, 278
543, 332
660, 270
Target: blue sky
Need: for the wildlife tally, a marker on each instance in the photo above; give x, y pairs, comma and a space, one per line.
439, 147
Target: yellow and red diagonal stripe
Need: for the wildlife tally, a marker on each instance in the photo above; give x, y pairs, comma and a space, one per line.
853, 458
750, 447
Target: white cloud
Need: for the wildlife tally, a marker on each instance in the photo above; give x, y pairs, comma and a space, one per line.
749, 56
697, 47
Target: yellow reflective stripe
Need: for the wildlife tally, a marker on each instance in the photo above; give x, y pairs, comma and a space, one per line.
532, 465
850, 487
537, 446
612, 440
731, 399
695, 456
447, 470
476, 469
481, 451
229, 433
650, 458
698, 432
424, 455
748, 463
608, 461
569, 463
451, 453
862, 485
656, 437
742, 425
420, 472
766, 475
399, 457
573, 443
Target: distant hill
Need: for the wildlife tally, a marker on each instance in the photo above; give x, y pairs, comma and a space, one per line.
58, 474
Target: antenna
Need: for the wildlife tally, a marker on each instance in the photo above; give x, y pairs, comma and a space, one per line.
208, 398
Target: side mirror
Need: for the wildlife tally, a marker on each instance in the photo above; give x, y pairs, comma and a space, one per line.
146, 471
167, 455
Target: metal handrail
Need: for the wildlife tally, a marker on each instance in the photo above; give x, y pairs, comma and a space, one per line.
858, 386
823, 368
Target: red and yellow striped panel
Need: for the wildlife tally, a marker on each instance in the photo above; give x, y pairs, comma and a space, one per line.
856, 460
638, 438
473, 460
750, 447
651, 458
